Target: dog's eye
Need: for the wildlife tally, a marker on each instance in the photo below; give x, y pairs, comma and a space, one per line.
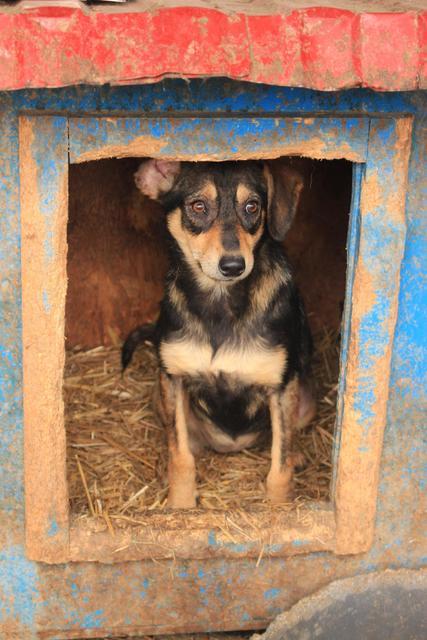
252, 206
198, 206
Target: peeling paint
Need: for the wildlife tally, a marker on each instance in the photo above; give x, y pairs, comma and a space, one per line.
72, 600
315, 47
19, 588
217, 138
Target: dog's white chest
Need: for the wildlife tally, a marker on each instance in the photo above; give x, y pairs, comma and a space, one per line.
253, 364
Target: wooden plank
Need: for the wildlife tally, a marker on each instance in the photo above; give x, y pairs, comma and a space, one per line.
218, 139
375, 291
198, 534
44, 210
353, 238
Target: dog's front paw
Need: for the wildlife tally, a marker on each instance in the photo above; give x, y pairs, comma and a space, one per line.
182, 497
280, 486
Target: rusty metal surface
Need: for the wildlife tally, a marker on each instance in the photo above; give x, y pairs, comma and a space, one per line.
324, 47
78, 600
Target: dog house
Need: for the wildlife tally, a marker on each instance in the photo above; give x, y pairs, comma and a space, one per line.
86, 94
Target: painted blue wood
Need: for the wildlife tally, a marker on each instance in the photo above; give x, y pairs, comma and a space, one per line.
11, 444
45, 141
60, 600
380, 249
402, 486
219, 138
217, 95
352, 248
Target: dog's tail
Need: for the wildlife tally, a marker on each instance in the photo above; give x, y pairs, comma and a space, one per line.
144, 333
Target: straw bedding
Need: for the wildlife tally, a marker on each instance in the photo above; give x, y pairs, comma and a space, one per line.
117, 455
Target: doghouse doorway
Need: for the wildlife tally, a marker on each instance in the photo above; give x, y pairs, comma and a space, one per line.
44, 203
117, 255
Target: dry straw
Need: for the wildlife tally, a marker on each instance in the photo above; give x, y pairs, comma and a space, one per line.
117, 454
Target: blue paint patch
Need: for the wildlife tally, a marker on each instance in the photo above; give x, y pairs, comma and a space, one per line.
93, 620
53, 528
19, 587
52, 165
242, 547
6, 356
364, 400
386, 136
46, 304
270, 594
48, 245
369, 567
143, 592
299, 543
212, 539
182, 574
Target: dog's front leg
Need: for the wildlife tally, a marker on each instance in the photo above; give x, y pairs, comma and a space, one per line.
181, 464
283, 412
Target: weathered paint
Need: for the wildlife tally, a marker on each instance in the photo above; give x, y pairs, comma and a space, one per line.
218, 138
94, 599
315, 47
359, 139
374, 290
352, 245
44, 214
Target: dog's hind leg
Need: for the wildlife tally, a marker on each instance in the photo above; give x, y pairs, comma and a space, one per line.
306, 406
181, 464
283, 414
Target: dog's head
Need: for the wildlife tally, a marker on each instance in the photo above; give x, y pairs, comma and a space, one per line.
217, 212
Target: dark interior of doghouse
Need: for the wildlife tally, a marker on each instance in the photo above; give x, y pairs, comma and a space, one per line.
117, 260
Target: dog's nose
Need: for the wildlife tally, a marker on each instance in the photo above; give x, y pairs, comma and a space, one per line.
232, 266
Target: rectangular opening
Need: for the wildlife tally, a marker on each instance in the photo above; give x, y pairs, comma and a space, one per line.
116, 450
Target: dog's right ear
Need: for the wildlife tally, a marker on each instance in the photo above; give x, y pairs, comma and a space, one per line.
155, 177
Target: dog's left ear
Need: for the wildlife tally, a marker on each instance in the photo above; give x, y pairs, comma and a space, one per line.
284, 186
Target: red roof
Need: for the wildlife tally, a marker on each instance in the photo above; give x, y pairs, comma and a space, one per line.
323, 48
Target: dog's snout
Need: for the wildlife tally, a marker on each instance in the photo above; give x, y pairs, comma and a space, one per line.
232, 266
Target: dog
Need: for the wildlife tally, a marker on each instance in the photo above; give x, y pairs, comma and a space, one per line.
232, 337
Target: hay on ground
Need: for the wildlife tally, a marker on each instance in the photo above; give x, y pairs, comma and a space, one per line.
117, 454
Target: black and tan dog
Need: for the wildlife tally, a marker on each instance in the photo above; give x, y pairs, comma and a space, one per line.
232, 336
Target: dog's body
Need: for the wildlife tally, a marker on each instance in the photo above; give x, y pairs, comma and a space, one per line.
232, 338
